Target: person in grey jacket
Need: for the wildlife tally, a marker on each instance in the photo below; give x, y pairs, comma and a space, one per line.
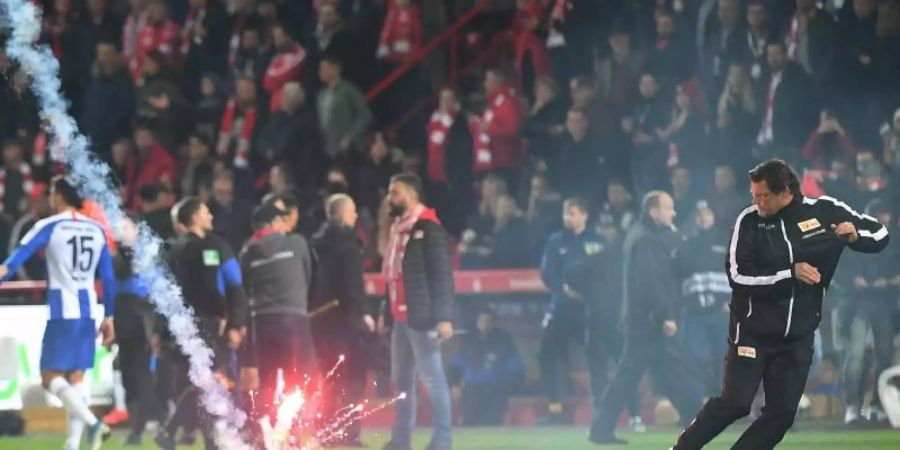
343, 112
278, 272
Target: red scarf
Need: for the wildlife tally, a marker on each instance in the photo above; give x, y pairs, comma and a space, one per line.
27, 183
242, 151
438, 132
392, 268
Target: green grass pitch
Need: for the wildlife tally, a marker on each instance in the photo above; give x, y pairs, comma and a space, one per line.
548, 439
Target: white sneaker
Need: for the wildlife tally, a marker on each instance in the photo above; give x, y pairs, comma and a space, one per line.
876, 414
637, 424
851, 415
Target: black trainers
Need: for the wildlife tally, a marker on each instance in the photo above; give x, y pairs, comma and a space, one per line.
164, 441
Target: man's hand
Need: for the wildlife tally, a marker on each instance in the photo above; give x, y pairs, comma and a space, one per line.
370, 323
807, 273
571, 293
860, 283
3, 271
445, 331
382, 326
846, 229
880, 283
670, 327
108, 331
235, 337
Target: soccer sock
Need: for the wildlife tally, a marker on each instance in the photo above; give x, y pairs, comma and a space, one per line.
118, 392
73, 399
75, 426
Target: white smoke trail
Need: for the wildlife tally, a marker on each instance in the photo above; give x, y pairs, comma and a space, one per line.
92, 179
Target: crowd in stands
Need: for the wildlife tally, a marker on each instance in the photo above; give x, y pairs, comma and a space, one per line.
605, 100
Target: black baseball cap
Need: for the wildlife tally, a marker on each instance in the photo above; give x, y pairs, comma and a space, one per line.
266, 213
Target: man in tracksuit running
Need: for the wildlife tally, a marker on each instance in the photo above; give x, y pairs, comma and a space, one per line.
783, 252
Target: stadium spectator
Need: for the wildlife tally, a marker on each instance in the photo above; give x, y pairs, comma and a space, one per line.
501, 245
619, 72
131, 30
705, 293
810, 39
531, 58
874, 282
737, 118
449, 162
204, 43
684, 193
401, 35
725, 200
109, 100
891, 136
160, 103
374, 173
241, 120
541, 212
231, 213
158, 34
723, 45
580, 167
545, 119
252, 56
648, 155
498, 146
156, 203
759, 33
617, 213
16, 180
197, 168
287, 64
787, 106
685, 133
96, 25
828, 142
208, 109
332, 36
153, 163
485, 372
343, 113
670, 57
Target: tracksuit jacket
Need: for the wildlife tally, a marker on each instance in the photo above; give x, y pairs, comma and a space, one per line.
769, 306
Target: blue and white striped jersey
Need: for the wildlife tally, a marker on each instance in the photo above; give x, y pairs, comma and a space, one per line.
77, 254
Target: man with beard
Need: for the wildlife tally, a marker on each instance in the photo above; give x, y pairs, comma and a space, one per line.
420, 290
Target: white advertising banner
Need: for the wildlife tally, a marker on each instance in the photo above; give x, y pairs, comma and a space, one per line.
21, 332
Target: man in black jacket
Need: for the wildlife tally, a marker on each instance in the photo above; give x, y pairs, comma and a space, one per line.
783, 253
278, 271
210, 278
420, 290
649, 312
344, 329
704, 294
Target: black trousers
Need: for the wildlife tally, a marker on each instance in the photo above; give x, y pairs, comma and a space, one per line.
134, 362
282, 342
189, 414
783, 372
671, 374
553, 356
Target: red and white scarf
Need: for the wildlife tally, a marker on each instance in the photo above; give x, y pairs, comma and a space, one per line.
27, 183
242, 150
438, 131
392, 268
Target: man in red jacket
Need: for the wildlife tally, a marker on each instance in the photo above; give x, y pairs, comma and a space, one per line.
159, 33
286, 66
401, 35
498, 147
154, 163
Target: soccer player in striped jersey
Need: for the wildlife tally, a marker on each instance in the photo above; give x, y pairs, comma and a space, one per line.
76, 253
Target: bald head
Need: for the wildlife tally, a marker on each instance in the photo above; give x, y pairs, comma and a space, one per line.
340, 209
